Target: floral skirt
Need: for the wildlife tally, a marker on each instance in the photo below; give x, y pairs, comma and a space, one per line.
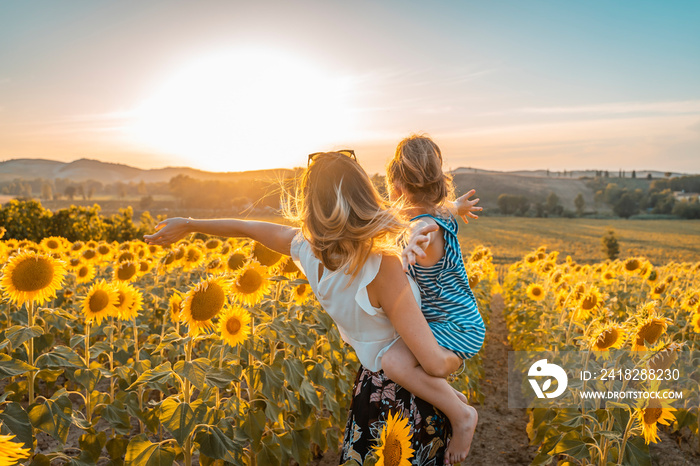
374, 398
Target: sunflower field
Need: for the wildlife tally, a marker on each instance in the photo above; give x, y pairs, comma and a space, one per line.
210, 351
627, 306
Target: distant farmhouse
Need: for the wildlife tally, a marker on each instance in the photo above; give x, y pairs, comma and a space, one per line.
683, 196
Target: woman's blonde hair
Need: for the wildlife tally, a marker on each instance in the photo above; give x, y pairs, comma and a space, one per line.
417, 169
341, 213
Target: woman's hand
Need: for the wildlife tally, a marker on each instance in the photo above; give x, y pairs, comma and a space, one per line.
169, 231
417, 242
465, 207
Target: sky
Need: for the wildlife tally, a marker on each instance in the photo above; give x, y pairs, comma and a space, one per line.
240, 85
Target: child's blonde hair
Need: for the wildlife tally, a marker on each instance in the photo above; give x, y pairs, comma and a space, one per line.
341, 214
417, 169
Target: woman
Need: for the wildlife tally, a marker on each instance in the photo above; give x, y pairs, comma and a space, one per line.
347, 248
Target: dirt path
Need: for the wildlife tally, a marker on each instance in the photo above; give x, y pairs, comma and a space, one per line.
500, 437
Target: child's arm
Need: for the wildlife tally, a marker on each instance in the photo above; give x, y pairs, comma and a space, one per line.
463, 207
272, 235
425, 246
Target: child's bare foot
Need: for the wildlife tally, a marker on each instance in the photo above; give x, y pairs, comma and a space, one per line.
462, 434
462, 397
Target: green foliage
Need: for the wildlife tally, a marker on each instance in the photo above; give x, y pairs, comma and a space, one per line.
611, 248
626, 206
510, 204
687, 209
29, 220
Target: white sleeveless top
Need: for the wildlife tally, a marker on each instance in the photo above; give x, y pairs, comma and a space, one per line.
364, 327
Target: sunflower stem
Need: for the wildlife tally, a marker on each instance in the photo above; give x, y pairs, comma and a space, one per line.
30, 351
88, 408
621, 455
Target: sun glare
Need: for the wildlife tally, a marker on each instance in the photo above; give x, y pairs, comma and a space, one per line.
245, 110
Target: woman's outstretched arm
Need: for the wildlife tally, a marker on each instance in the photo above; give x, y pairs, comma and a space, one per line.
274, 236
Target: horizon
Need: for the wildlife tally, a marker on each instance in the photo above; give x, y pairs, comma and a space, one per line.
613, 173
231, 86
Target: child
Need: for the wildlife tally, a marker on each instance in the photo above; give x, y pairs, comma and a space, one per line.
347, 250
434, 260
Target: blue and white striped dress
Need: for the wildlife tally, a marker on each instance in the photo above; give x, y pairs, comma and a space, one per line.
447, 301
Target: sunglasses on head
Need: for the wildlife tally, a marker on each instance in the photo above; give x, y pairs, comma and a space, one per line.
349, 152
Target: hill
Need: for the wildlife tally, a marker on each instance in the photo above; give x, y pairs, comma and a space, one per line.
105, 172
534, 184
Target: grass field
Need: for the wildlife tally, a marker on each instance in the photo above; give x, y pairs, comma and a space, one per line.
510, 238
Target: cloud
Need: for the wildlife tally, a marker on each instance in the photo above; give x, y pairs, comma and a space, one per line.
613, 108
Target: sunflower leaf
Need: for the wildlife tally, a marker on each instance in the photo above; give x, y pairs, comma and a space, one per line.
16, 419
178, 418
215, 444
143, 452
194, 371
18, 334
10, 367
61, 356
53, 416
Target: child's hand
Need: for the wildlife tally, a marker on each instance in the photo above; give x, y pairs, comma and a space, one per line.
169, 231
465, 207
417, 242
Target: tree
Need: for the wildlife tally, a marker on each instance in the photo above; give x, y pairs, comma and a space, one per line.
626, 206
510, 204
70, 192
552, 204
580, 203
46, 191
611, 248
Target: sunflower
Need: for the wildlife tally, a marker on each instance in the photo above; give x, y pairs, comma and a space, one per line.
100, 302
85, 273
31, 277
648, 331
652, 277
394, 448
126, 256
126, 271
214, 265
631, 265
12, 452
212, 244
663, 356
234, 326
301, 293
74, 263
53, 244
289, 269
89, 254
659, 290
144, 266
129, 302
608, 277
250, 283
175, 306
104, 250
691, 300
76, 247
154, 249
696, 322
535, 292
235, 261
590, 301
608, 336
168, 262
193, 258
264, 255
202, 303
650, 413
